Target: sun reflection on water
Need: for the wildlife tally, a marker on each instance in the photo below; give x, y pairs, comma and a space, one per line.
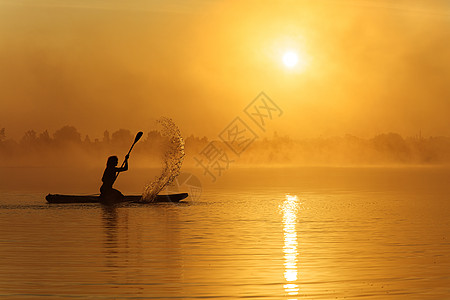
290, 248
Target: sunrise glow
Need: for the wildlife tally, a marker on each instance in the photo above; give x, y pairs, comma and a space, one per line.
290, 59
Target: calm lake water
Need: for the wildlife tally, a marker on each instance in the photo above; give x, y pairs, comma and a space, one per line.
282, 233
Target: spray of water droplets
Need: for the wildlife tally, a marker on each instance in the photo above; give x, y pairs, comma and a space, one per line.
173, 159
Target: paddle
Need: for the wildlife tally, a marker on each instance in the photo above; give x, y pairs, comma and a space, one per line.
136, 139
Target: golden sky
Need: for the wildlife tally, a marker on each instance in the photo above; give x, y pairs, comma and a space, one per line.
364, 67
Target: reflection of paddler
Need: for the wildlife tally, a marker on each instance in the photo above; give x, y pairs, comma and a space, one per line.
107, 193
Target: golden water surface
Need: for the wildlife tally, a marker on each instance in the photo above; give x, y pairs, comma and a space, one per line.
293, 233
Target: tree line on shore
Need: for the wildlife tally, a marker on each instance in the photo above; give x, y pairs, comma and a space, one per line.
66, 146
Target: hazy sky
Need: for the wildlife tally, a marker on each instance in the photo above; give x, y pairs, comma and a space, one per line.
364, 67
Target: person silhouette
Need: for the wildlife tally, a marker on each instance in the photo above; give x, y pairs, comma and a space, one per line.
107, 192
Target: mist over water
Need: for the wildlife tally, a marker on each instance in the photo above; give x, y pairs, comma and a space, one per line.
173, 159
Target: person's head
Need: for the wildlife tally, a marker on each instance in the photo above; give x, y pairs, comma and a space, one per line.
112, 161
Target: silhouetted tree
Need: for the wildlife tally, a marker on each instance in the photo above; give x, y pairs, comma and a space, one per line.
106, 138
393, 146
348, 149
121, 137
29, 139
44, 138
2, 135
153, 135
67, 134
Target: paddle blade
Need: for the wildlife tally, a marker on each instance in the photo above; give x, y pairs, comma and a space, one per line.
138, 136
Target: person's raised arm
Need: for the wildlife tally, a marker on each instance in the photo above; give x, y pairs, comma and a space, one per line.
125, 167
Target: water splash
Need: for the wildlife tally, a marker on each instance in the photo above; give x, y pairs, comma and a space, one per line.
173, 159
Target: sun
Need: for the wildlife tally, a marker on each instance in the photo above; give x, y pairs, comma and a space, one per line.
290, 59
